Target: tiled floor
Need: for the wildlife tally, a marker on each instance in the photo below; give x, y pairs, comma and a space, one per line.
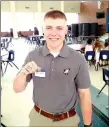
15, 108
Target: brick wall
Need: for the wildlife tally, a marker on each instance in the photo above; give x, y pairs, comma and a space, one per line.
88, 14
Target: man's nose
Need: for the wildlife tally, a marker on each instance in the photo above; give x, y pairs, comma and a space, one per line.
53, 35
54, 32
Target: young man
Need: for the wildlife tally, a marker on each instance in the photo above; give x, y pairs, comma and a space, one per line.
60, 76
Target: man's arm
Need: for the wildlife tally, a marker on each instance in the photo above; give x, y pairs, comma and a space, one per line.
24, 76
20, 82
86, 105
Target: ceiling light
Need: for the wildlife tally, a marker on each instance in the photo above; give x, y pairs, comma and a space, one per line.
51, 8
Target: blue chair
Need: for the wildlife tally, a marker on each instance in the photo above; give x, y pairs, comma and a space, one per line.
5, 43
43, 42
90, 55
10, 40
36, 41
104, 55
41, 37
9, 60
105, 79
28, 40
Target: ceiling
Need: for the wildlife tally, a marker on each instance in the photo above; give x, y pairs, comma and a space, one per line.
32, 6
49, 5
5, 6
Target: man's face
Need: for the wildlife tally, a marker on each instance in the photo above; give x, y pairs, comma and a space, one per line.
54, 31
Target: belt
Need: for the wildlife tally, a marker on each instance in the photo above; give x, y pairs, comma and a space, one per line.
57, 116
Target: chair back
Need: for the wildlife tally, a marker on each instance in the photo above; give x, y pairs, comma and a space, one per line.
11, 55
34, 38
104, 55
6, 42
38, 40
89, 55
106, 75
28, 38
9, 39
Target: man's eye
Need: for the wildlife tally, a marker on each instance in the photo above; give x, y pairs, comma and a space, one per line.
48, 28
59, 28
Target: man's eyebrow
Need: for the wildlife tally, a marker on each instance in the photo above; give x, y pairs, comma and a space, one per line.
48, 26
59, 26
56, 26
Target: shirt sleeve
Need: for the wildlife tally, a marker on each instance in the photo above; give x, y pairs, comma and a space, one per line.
82, 79
27, 59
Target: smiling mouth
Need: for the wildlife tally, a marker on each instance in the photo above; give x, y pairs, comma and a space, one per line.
54, 39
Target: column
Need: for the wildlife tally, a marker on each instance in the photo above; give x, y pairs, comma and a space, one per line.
99, 4
39, 6
13, 12
35, 17
62, 6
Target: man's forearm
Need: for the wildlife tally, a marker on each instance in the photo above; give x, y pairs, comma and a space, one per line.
19, 83
86, 108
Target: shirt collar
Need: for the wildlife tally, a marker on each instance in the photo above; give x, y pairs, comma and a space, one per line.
63, 53
45, 50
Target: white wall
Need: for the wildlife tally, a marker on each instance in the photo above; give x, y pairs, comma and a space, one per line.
28, 20
6, 21
24, 21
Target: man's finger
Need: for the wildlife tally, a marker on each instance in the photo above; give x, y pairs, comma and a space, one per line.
34, 64
38, 68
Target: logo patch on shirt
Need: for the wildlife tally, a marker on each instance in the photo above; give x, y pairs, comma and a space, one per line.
66, 71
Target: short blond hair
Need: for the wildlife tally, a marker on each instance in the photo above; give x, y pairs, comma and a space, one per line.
55, 14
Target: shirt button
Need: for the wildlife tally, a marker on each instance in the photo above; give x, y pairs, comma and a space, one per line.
52, 69
52, 61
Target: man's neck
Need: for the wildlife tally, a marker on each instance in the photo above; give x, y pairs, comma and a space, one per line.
55, 50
